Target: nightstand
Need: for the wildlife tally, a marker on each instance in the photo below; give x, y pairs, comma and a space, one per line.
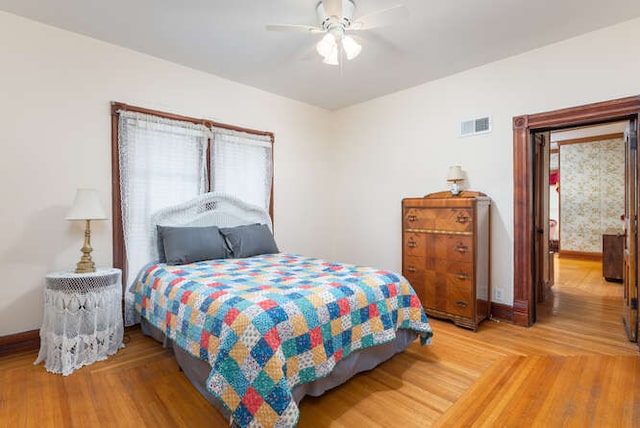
82, 319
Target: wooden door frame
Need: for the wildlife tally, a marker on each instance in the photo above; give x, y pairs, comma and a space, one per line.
523, 189
541, 217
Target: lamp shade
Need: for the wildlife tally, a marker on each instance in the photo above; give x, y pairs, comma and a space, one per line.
327, 45
351, 48
455, 173
86, 206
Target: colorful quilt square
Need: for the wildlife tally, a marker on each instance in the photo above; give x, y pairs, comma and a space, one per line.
303, 343
263, 384
252, 400
262, 352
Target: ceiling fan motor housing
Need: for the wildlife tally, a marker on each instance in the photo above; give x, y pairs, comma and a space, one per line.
343, 21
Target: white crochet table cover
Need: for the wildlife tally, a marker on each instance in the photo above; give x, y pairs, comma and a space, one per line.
82, 319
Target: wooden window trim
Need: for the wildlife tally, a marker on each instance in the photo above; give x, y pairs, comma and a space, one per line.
119, 251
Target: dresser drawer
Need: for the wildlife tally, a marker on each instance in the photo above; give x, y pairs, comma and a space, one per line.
414, 244
439, 219
449, 274
458, 273
413, 265
413, 270
444, 292
450, 247
418, 218
459, 301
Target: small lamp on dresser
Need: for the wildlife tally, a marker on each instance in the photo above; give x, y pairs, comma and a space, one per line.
87, 207
455, 175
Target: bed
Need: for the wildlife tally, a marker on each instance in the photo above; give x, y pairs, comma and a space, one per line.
256, 334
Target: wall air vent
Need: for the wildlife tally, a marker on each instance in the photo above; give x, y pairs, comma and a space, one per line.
479, 125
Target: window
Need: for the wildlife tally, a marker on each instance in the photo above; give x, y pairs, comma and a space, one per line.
241, 165
160, 159
162, 163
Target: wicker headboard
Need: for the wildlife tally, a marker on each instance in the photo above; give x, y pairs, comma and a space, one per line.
208, 209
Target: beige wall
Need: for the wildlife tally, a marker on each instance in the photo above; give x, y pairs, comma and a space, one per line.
401, 145
56, 87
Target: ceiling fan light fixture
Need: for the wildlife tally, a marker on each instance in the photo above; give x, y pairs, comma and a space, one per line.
351, 48
332, 58
333, 43
336, 19
327, 45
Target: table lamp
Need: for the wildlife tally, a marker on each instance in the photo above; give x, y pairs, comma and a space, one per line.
87, 207
455, 175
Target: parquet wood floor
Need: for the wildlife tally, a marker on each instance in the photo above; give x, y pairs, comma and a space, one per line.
575, 367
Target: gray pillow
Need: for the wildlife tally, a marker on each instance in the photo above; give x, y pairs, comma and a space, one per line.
160, 244
249, 240
192, 244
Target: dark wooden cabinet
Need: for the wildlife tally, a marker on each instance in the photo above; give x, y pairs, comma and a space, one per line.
612, 254
445, 254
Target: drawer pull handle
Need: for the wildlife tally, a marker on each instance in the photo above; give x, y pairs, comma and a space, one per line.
462, 304
412, 244
462, 219
462, 276
411, 269
412, 218
462, 249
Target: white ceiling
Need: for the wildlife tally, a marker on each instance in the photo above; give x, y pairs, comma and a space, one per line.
589, 131
227, 38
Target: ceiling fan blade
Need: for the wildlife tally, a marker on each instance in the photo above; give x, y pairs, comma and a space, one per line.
332, 7
295, 28
382, 18
369, 38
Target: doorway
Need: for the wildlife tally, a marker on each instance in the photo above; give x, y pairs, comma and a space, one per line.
583, 193
527, 259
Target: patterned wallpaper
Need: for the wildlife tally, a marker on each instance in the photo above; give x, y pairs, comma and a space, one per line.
591, 193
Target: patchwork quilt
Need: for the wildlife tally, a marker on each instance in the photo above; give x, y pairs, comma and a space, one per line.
268, 323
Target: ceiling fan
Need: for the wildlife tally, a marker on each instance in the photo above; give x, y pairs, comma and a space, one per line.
336, 21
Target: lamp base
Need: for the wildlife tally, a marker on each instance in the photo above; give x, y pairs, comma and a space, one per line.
455, 189
86, 265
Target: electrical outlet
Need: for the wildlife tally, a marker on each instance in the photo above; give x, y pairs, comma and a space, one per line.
499, 293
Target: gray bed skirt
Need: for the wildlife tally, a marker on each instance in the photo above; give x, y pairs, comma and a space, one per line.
197, 371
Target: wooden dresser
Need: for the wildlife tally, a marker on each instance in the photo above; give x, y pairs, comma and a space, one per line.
445, 254
612, 254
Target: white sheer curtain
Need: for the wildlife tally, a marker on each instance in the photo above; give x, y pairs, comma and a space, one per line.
162, 163
241, 165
